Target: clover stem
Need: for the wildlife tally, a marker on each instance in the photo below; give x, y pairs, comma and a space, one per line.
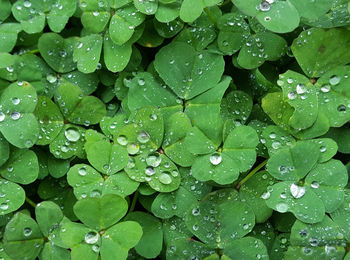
255, 170
133, 203
32, 51
30, 202
211, 17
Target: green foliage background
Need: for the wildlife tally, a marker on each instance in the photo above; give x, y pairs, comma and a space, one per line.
174, 129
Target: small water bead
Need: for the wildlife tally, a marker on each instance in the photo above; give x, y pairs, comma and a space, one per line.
245, 226
165, 178
171, 61
264, 6
283, 195
325, 88
4, 206
301, 88
313, 241
16, 101
297, 191
323, 149
143, 137
133, 148
195, 227
63, 53
141, 82
215, 159
150, 171
91, 237
72, 134
122, 140
282, 207
27, 4
266, 195
282, 169
334, 80
272, 135
292, 95
82, 171
15, 115
196, 211
341, 108
290, 81
276, 145
51, 78
95, 13
153, 160
315, 185
153, 117
27, 231
2, 116
64, 148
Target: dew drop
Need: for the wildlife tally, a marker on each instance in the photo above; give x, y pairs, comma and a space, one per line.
143, 137
91, 237
16, 101
15, 115
323, 149
4, 206
27, 231
264, 6
133, 148
215, 159
325, 88
51, 78
282, 207
334, 80
153, 160
82, 171
72, 134
301, 88
150, 171
292, 95
122, 140
315, 185
165, 178
341, 108
297, 191
2, 116
141, 82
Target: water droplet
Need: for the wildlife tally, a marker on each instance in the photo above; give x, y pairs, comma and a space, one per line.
150, 171
313, 241
297, 191
95, 248
141, 82
292, 95
245, 226
143, 137
341, 108
325, 88
27, 4
4, 206
63, 53
301, 88
95, 13
72, 134
51, 78
2, 116
215, 159
27, 231
315, 185
153, 117
16, 101
195, 227
15, 115
282, 169
153, 160
133, 148
91, 237
303, 233
122, 140
82, 171
266, 195
290, 81
264, 6
165, 178
323, 149
334, 80
282, 207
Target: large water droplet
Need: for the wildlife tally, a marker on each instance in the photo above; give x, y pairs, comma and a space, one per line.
2, 116
153, 160
282, 207
15, 115
325, 88
91, 237
150, 171
315, 185
215, 159
122, 140
165, 178
51, 78
297, 191
4, 206
143, 137
292, 95
16, 101
264, 6
334, 80
72, 134
27, 231
301, 88
82, 171
133, 148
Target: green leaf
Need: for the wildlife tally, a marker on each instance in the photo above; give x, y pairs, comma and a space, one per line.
151, 241
293, 163
148, 7
101, 213
178, 63
4, 150
22, 167
30, 15
341, 216
77, 108
281, 17
167, 12
191, 10
106, 157
22, 237
59, 14
312, 10
18, 101
180, 248
57, 51
50, 120
12, 198
95, 15
246, 248
8, 34
253, 193
87, 52
122, 25
224, 207
118, 239
317, 50
300, 200
48, 216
